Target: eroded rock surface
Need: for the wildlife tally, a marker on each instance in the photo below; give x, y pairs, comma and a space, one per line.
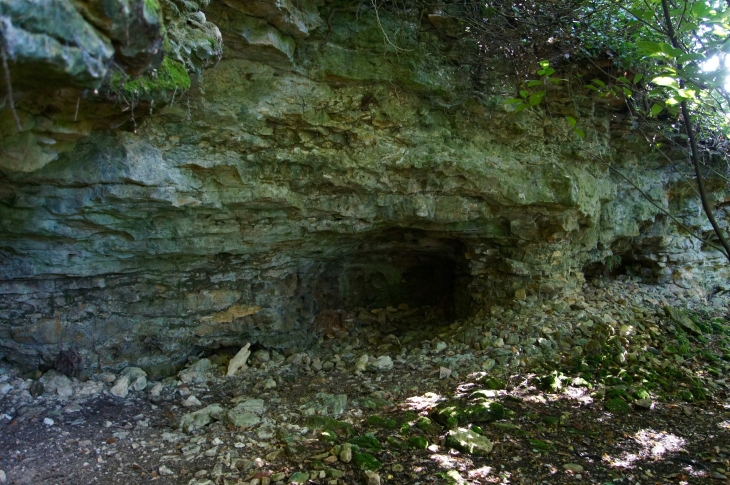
315, 169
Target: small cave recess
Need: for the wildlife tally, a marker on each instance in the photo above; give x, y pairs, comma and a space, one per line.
407, 276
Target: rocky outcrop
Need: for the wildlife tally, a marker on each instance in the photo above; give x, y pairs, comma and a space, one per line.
80, 65
319, 168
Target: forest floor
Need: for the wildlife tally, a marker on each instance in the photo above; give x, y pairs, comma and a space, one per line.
624, 384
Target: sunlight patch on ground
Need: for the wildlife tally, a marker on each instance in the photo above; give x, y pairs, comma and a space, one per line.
445, 461
480, 473
427, 401
652, 445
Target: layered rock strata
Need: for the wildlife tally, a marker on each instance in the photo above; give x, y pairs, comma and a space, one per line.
335, 160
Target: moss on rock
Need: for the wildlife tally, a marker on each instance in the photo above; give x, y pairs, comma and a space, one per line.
453, 415
171, 76
366, 461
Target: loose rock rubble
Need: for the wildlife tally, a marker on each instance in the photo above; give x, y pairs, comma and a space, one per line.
623, 382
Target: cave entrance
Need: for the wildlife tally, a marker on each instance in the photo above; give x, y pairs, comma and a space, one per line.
404, 273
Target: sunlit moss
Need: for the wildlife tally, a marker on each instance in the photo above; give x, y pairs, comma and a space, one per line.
170, 76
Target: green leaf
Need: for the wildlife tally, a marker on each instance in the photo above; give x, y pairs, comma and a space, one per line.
579, 132
669, 82
598, 82
591, 87
649, 48
638, 78
622, 79
690, 58
627, 92
513, 101
556, 80
522, 107
656, 109
536, 98
549, 71
524, 94
571, 121
701, 9
544, 64
533, 83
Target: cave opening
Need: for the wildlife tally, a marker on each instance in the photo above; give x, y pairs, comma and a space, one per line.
397, 277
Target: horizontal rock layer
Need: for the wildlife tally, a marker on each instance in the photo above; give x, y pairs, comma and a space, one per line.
318, 168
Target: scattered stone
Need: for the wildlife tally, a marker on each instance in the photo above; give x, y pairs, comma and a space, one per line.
239, 360
346, 453
197, 419
191, 401
681, 319
5, 388
573, 467
121, 387
156, 390
48, 421
299, 477
3, 477
106, 377
644, 403
334, 404
444, 372
440, 347
137, 378
372, 477
53, 381
383, 363
467, 441
242, 416
164, 471
362, 363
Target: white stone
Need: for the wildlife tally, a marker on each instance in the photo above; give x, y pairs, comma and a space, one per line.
346, 453
384, 362
373, 477
137, 378
3, 478
156, 390
191, 402
121, 387
239, 360
64, 391
361, 363
573, 467
5, 388
48, 421
164, 471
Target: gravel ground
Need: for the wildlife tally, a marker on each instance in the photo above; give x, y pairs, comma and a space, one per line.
625, 383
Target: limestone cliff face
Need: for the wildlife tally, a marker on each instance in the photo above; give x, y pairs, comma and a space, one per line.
319, 166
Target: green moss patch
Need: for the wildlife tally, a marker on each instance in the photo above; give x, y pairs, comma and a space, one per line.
617, 405
170, 76
378, 422
492, 383
366, 461
454, 415
418, 442
331, 424
367, 441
